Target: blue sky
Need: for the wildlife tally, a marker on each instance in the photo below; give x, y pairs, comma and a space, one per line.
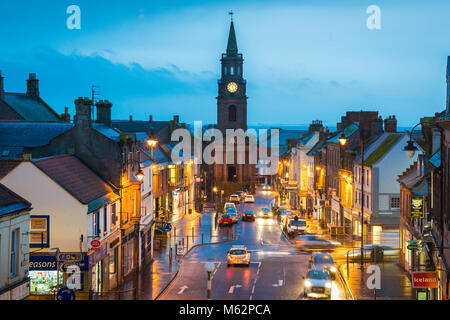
304, 60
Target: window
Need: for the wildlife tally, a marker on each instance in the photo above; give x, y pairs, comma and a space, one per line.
96, 224
225, 70
367, 202
395, 202
14, 253
113, 214
232, 113
105, 220
232, 70
113, 260
238, 70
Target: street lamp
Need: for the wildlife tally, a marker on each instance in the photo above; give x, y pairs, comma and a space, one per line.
152, 142
209, 266
410, 149
342, 140
140, 175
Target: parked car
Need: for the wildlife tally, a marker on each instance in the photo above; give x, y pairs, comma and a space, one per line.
249, 199
318, 283
325, 260
295, 226
225, 220
248, 215
284, 216
238, 255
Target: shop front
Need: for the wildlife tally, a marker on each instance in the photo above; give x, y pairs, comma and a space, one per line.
98, 266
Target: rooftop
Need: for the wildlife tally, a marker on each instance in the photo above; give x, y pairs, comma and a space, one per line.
29, 108
30, 134
11, 202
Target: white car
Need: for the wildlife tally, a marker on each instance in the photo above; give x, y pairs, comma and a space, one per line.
235, 198
228, 205
249, 199
238, 255
318, 283
295, 226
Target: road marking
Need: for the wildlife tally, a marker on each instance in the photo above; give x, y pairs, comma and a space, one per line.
253, 289
233, 287
182, 289
279, 284
251, 297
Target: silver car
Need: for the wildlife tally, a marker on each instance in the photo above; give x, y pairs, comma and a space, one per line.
318, 283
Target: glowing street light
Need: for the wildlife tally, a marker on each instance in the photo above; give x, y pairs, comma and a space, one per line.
152, 142
342, 140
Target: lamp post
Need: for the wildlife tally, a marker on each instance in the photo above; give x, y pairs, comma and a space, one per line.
209, 266
152, 142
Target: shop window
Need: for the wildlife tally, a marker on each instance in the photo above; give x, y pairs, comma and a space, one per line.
395, 202
113, 260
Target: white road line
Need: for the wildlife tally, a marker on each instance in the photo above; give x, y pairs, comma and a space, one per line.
251, 297
253, 289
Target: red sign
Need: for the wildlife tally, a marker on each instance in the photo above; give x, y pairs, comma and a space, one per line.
95, 244
425, 280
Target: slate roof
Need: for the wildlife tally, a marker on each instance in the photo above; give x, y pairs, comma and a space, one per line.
139, 126
74, 177
348, 131
30, 134
108, 132
29, 108
374, 152
7, 165
11, 202
316, 148
411, 180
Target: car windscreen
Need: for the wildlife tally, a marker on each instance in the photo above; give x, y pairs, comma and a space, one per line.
237, 252
313, 274
225, 216
248, 212
231, 210
299, 223
265, 210
323, 259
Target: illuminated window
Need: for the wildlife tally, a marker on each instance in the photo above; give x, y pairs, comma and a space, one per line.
395, 203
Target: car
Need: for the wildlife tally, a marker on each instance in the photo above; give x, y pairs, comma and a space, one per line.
265, 213
388, 252
318, 283
295, 225
232, 212
266, 187
283, 209
235, 198
225, 220
249, 199
325, 260
228, 205
241, 194
313, 241
238, 255
248, 215
284, 216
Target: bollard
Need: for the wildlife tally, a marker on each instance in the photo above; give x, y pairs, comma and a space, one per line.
187, 242
348, 271
183, 241
170, 256
202, 238
192, 234
176, 249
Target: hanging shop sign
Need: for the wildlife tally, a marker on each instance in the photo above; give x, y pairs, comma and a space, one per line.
417, 207
425, 280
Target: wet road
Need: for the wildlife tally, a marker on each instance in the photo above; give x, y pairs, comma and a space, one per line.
276, 270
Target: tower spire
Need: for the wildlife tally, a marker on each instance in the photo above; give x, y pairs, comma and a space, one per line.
232, 43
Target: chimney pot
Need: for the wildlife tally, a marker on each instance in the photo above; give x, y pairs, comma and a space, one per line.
176, 119
150, 118
131, 117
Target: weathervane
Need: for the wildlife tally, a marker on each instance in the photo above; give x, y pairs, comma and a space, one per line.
231, 14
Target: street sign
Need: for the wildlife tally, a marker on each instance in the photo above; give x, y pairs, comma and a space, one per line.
412, 247
167, 227
180, 250
425, 280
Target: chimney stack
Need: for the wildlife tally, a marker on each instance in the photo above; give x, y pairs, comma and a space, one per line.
376, 127
65, 117
2, 88
176, 119
104, 112
390, 124
82, 117
316, 125
131, 117
33, 86
150, 118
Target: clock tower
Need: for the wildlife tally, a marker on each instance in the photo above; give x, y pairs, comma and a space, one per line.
232, 99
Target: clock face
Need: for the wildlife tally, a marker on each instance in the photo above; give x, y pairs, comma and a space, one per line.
232, 87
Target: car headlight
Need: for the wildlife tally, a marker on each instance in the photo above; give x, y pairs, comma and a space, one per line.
308, 284
270, 214
333, 269
328, 285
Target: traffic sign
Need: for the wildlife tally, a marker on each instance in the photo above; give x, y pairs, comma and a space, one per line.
95, 245
167, 227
